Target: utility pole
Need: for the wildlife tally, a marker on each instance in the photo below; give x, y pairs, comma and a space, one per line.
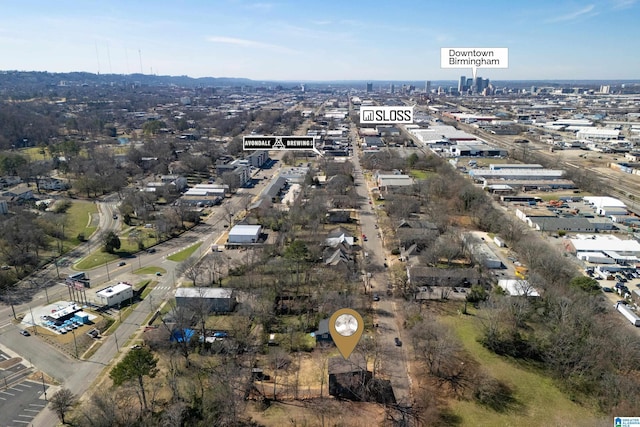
44, 388
75, 344
33, 322
13, 310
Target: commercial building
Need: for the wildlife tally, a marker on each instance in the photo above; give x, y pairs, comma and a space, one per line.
620, 251
386, 181
218, 300
598, 134
244, 234
114, 295
477, 149
517, 174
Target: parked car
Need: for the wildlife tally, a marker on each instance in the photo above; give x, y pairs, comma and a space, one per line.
25, 333
376, 297
606, 289
398, 342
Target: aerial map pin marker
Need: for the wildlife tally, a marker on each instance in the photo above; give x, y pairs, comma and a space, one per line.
346, 327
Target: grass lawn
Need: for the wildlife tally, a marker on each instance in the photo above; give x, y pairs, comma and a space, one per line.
185, 253
128, 246
222, 322
557, 194
34, 153
150, 270
79, 222
148, 286
540, 401
418, 174
129, 239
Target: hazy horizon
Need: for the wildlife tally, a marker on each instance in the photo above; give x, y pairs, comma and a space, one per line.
356, 80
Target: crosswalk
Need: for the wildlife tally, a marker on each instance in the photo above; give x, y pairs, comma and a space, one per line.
162, 288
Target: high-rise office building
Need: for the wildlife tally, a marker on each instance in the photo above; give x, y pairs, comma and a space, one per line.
462, 84
369, 87
427, 86
393, 88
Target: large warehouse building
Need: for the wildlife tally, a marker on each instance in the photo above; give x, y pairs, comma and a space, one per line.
516, 174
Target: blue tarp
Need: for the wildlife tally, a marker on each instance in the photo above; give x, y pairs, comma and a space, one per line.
182, 335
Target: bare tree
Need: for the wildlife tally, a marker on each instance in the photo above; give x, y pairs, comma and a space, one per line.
61, 402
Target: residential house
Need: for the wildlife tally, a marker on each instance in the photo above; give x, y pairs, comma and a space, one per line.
337, 216
19, 193
416, 232
180, 182
9, 181
322, 335
339, 236
432, 276
348, 380
53, 184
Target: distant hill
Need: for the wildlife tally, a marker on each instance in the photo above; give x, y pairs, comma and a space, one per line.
76, 78
42, 78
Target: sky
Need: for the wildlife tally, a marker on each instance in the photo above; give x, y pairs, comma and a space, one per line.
321, 40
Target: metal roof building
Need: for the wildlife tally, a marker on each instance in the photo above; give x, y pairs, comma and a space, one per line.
243, 233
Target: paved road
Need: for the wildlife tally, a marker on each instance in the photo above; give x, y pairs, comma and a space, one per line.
387, 309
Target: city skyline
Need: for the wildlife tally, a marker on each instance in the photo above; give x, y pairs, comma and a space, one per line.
280, 41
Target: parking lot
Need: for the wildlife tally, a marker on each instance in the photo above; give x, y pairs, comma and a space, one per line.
20, 403
21, 399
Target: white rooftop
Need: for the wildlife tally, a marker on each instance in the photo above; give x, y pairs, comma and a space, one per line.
515, 287
113, 290
604, 201
204, 292
245, 230
597, 243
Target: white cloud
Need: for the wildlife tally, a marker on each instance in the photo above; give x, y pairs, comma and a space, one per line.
623, 4
249, 44
586, 11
